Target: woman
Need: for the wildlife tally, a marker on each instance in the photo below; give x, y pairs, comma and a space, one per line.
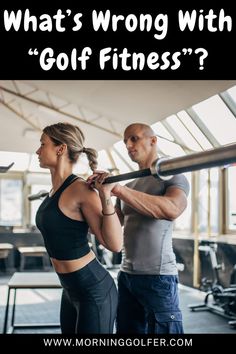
89, 297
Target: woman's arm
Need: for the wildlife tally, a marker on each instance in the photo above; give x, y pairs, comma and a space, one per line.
99, 212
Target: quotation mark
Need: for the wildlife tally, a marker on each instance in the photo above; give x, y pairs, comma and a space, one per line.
33, 52
187, 51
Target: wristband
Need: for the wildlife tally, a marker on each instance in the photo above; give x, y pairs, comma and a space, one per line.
104, 214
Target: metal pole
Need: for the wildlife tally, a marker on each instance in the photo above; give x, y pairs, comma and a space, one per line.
209, 203
162, 168
196, 259
211, 158
4, 169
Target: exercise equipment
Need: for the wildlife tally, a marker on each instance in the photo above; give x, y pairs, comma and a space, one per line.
41, 194
4, 169
164, 168
104, 256
218, 299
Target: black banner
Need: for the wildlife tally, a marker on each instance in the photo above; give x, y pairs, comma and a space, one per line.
48, 343
155, 42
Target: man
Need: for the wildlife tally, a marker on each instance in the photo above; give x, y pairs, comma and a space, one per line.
148, 280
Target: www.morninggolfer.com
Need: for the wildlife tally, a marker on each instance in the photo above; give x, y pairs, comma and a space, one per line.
118, 342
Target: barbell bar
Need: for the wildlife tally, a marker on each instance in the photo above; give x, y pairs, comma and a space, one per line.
39, 195
4, 169
165, 168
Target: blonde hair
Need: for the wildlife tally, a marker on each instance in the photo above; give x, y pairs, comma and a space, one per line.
73, 137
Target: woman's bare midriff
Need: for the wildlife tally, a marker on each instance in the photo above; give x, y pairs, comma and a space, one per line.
72, 265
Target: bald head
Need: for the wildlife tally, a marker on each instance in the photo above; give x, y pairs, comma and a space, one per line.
142, 128
141, 143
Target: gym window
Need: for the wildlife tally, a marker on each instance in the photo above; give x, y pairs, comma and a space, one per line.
11, 212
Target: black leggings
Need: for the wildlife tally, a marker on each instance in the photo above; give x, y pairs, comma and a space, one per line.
89, 300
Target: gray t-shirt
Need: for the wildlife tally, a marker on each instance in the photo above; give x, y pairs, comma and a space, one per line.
147, 245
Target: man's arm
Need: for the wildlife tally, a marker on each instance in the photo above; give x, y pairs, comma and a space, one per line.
168, 206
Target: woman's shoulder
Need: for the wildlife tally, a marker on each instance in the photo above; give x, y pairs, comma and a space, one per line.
82, 192
81, 186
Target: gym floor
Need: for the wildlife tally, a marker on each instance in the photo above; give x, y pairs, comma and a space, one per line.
43, 306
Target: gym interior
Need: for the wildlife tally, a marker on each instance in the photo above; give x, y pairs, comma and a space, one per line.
189, 118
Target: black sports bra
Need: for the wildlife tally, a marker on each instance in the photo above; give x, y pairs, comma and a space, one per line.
64, 238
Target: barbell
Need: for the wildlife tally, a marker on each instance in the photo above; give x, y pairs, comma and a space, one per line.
39, 195
165, 168
4, 169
